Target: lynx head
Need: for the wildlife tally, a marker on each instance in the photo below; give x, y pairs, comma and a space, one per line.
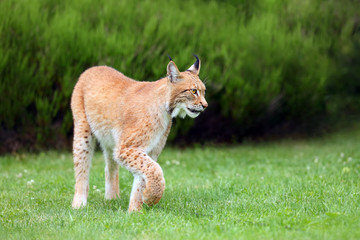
187, 90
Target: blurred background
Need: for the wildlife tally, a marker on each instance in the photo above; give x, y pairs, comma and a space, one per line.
273, 68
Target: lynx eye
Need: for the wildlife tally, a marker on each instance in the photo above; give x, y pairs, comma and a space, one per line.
194, 91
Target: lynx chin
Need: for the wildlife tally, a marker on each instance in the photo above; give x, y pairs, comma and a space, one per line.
131, 120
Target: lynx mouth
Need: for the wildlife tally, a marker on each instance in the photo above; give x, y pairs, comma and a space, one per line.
194, 110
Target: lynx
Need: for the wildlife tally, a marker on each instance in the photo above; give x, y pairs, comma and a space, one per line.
131, 121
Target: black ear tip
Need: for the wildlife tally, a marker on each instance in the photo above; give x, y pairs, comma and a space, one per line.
169, 57
197, 61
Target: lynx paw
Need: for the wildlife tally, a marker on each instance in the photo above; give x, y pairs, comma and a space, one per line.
78, 202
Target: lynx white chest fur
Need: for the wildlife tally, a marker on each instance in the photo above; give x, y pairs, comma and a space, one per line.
131, 120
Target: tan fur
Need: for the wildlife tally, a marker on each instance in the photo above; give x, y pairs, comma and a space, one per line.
131, 120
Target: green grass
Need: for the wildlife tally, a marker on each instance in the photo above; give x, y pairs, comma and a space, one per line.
280, 190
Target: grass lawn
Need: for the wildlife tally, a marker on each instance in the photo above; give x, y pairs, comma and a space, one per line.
280, 190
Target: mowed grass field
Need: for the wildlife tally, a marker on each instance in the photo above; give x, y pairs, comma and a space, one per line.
296, 189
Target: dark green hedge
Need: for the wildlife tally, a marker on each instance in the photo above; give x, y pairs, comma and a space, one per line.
262, 60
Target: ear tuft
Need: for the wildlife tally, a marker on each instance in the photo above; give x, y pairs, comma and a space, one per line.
195, 68
173, 72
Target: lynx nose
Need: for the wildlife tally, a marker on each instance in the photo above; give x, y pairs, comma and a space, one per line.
204, 104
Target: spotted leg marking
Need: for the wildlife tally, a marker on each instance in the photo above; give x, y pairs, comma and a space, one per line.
142, 167
83, 149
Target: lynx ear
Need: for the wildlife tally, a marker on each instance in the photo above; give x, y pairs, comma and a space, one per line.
173, 72
195, 68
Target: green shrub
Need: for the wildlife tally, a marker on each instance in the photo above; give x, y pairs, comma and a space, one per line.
284, 59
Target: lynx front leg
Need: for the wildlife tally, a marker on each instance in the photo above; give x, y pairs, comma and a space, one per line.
136, 197
140, 164
83, 149
111, 176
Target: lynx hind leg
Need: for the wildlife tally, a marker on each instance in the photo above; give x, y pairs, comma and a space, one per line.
141, 165
83, 149
111, 176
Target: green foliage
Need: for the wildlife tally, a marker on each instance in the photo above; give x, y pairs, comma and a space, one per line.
283, 190
294, 59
